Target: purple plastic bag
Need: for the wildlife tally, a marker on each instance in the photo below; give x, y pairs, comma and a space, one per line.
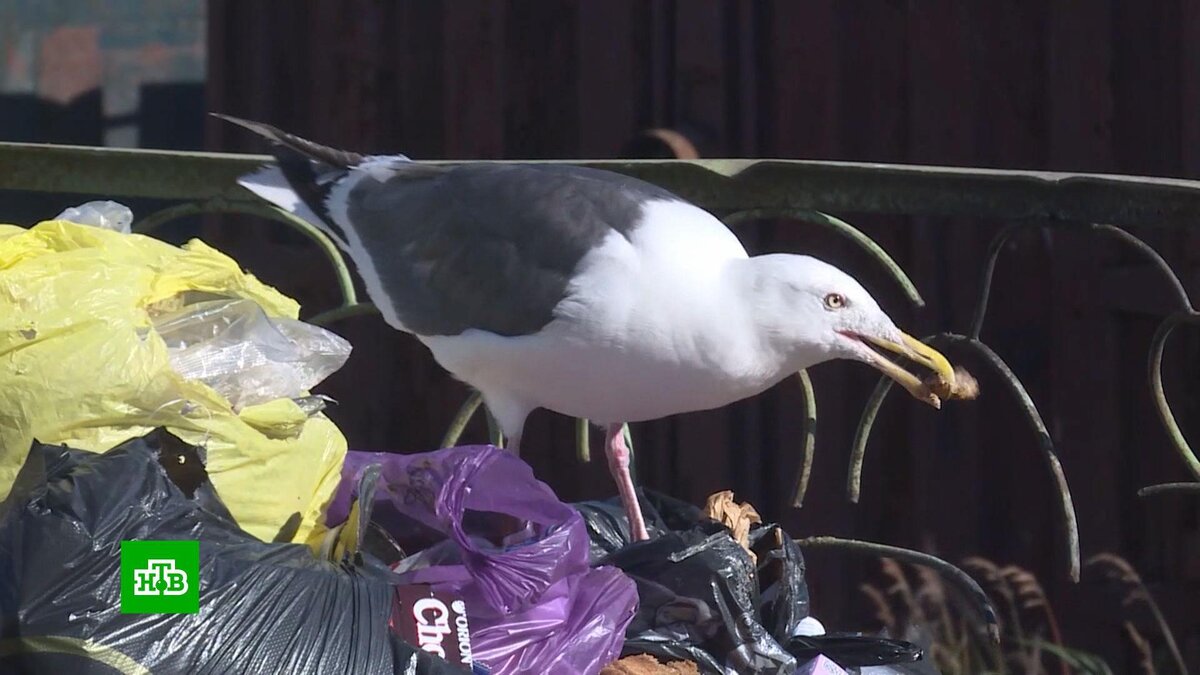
535, 604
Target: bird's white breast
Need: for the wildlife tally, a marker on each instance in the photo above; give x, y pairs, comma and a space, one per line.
650, 328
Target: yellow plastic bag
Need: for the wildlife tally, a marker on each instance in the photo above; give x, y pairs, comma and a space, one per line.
80, 364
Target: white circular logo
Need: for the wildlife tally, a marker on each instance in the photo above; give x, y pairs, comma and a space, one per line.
458, 607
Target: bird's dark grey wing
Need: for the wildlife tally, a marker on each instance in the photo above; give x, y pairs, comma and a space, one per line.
486, 246
446, 249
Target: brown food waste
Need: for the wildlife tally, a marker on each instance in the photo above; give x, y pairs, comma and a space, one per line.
644, 664
722, 508
936, 389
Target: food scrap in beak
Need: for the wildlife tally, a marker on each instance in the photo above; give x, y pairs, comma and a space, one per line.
963, 387
943, 383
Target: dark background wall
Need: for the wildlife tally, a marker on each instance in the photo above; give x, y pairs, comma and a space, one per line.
1096, 86
1100, 85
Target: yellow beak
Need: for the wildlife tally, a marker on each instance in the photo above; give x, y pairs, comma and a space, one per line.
917, 352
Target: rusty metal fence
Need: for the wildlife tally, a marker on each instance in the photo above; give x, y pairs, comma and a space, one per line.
738, 191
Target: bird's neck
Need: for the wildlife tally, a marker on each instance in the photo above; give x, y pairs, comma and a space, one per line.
764, 328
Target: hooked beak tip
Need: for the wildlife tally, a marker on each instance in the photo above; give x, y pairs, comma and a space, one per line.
920, 353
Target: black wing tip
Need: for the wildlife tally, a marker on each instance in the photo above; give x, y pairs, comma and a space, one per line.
321, 153
261, 128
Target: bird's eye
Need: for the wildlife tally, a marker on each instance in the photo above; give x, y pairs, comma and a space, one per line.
835, 301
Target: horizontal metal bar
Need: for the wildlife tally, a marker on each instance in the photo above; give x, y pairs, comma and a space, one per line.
718, 184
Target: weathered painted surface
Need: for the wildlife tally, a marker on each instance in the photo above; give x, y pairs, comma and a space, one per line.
87, 64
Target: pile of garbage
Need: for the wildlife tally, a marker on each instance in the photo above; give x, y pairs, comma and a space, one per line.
148, 392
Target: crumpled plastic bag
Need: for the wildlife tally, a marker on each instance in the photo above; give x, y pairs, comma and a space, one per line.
702, 598
82, 365
107, 214
476, 522
264, 608
249, 358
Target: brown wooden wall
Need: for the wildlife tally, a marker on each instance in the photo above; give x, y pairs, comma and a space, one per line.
1073, 85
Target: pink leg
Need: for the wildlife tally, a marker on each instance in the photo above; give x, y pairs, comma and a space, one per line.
618, 466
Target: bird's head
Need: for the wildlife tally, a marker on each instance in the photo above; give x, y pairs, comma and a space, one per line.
815, 312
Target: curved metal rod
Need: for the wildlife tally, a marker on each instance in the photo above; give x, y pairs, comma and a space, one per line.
1035, 418
495, 435
341, 270
1160, 395
989, 269
998, 242
810, 439
960, 579
583, 443
1014, 385
1163, 488
1157, 345
841, 227
461, 419
1156, 352
344, 312
858, 449
1145, 249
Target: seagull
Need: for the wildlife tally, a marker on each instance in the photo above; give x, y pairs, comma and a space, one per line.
582, 291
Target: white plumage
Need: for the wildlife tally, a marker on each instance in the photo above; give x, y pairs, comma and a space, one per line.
603, 297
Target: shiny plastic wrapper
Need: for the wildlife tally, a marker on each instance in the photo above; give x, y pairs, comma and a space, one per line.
84, 366
249, 358
105, 214
264, 608
474, 521
858, 654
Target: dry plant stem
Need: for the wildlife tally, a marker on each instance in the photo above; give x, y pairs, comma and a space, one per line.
950, 637
1168, 635
1120, 569
998, 583
1031, 595
1055, 635
960, 579
900, 585
883, 611
1146, 662
930, 581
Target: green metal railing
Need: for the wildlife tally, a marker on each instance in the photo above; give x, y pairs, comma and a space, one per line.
738, 191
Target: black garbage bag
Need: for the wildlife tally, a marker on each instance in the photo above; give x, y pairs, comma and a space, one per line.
263, 608
701, 598
863, 654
